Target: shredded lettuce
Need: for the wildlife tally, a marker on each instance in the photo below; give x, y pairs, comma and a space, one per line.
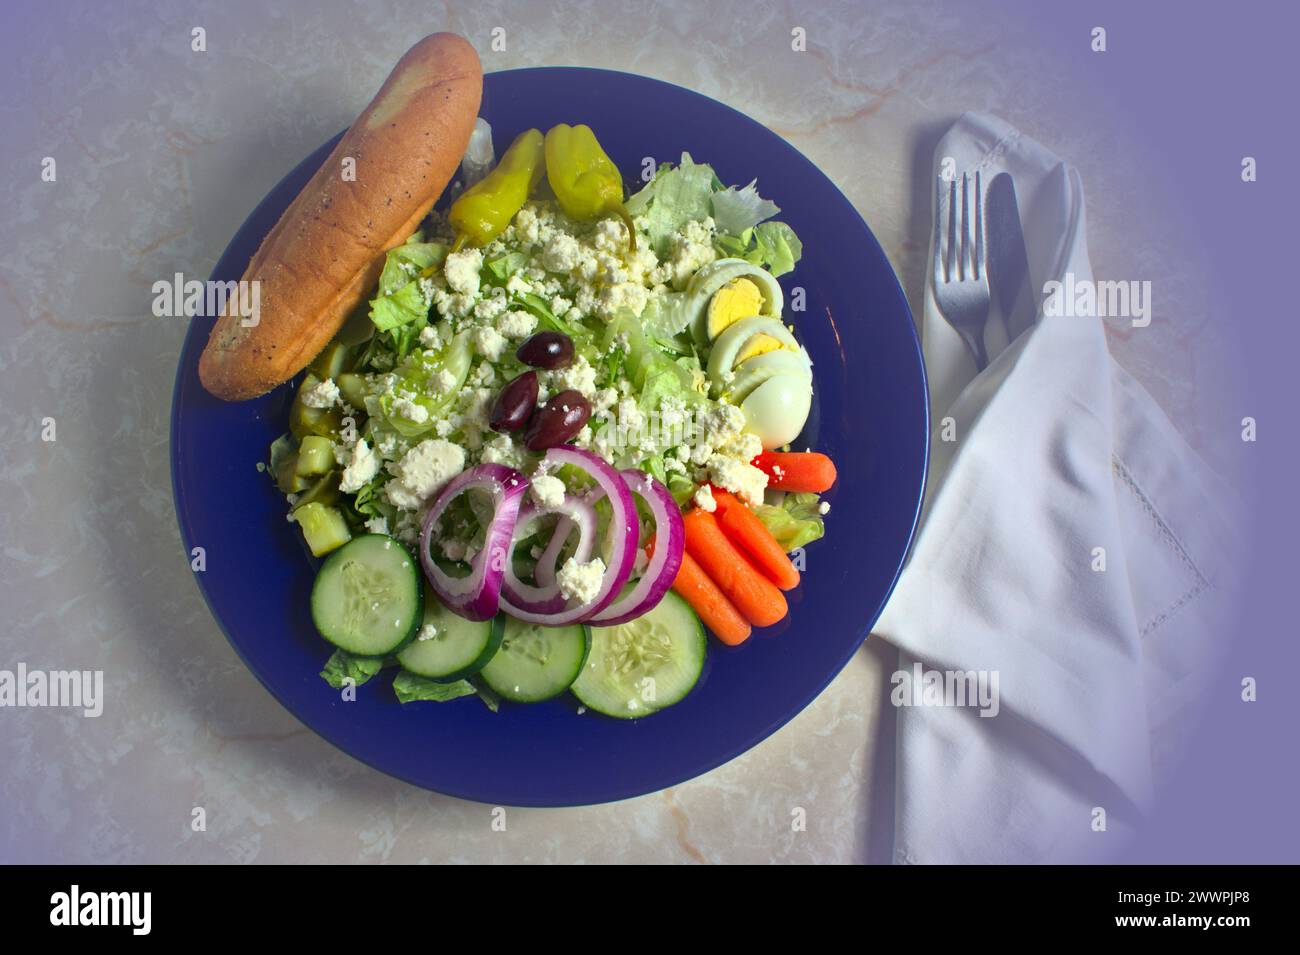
795, 522
343, 666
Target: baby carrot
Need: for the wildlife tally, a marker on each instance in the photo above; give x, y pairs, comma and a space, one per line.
797, 470
754, 595
717, 612
752, 536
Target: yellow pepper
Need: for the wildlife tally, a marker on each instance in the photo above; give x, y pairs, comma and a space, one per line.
585, 181
485, 209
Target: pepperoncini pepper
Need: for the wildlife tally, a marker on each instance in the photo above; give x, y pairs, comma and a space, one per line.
585, 181
485, 209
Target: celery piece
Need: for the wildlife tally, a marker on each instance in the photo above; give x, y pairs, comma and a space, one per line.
323, 527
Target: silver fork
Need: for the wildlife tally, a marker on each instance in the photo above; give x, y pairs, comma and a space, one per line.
961, 282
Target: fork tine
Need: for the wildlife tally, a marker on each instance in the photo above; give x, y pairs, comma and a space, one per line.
981, 236
954, 243
940, 205
967, 230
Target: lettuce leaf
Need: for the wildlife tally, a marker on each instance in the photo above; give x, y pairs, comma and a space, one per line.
503, 266
665, 315
399, 311
536, 306
404, 306
794, 522
344, 666
772, 245
411, 688
735, 210
675, 196
405, 262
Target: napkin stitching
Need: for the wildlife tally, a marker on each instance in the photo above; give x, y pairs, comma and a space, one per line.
1166, 533
998, 149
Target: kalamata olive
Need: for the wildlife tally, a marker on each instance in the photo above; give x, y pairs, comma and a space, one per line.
546, 350
557, 421
514, 404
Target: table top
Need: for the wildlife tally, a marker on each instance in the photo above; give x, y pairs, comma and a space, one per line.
162, 151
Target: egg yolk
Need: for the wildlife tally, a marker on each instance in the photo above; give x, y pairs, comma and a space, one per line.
739, 298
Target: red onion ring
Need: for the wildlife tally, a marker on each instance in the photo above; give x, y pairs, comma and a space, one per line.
661, 571
622, 538
477, 596
545, 596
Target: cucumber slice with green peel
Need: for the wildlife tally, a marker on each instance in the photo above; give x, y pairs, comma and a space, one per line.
449, 648
642, 666
368, 597
537, 663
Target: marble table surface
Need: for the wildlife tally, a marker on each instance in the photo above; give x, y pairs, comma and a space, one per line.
161, 153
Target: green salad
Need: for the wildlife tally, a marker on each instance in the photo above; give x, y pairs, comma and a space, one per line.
472, 414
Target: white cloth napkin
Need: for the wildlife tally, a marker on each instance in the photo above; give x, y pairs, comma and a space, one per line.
1057, 451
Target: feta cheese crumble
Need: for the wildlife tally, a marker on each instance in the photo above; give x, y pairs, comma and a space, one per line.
581, 582
361, 468
322, 395
703, 499
461, 270
547, 491
412, 411
732, 474
423, 471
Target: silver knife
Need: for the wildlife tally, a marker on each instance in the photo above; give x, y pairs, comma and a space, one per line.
1013, 297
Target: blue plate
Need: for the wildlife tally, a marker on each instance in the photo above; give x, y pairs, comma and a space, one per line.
870, 415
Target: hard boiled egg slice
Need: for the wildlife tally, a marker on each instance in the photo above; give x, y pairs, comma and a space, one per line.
752, 373
738, 299
729, 345
712, 277
777, 409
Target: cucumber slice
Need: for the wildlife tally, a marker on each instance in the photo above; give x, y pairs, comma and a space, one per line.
368, 597
452, 648
537, 663
642, 666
